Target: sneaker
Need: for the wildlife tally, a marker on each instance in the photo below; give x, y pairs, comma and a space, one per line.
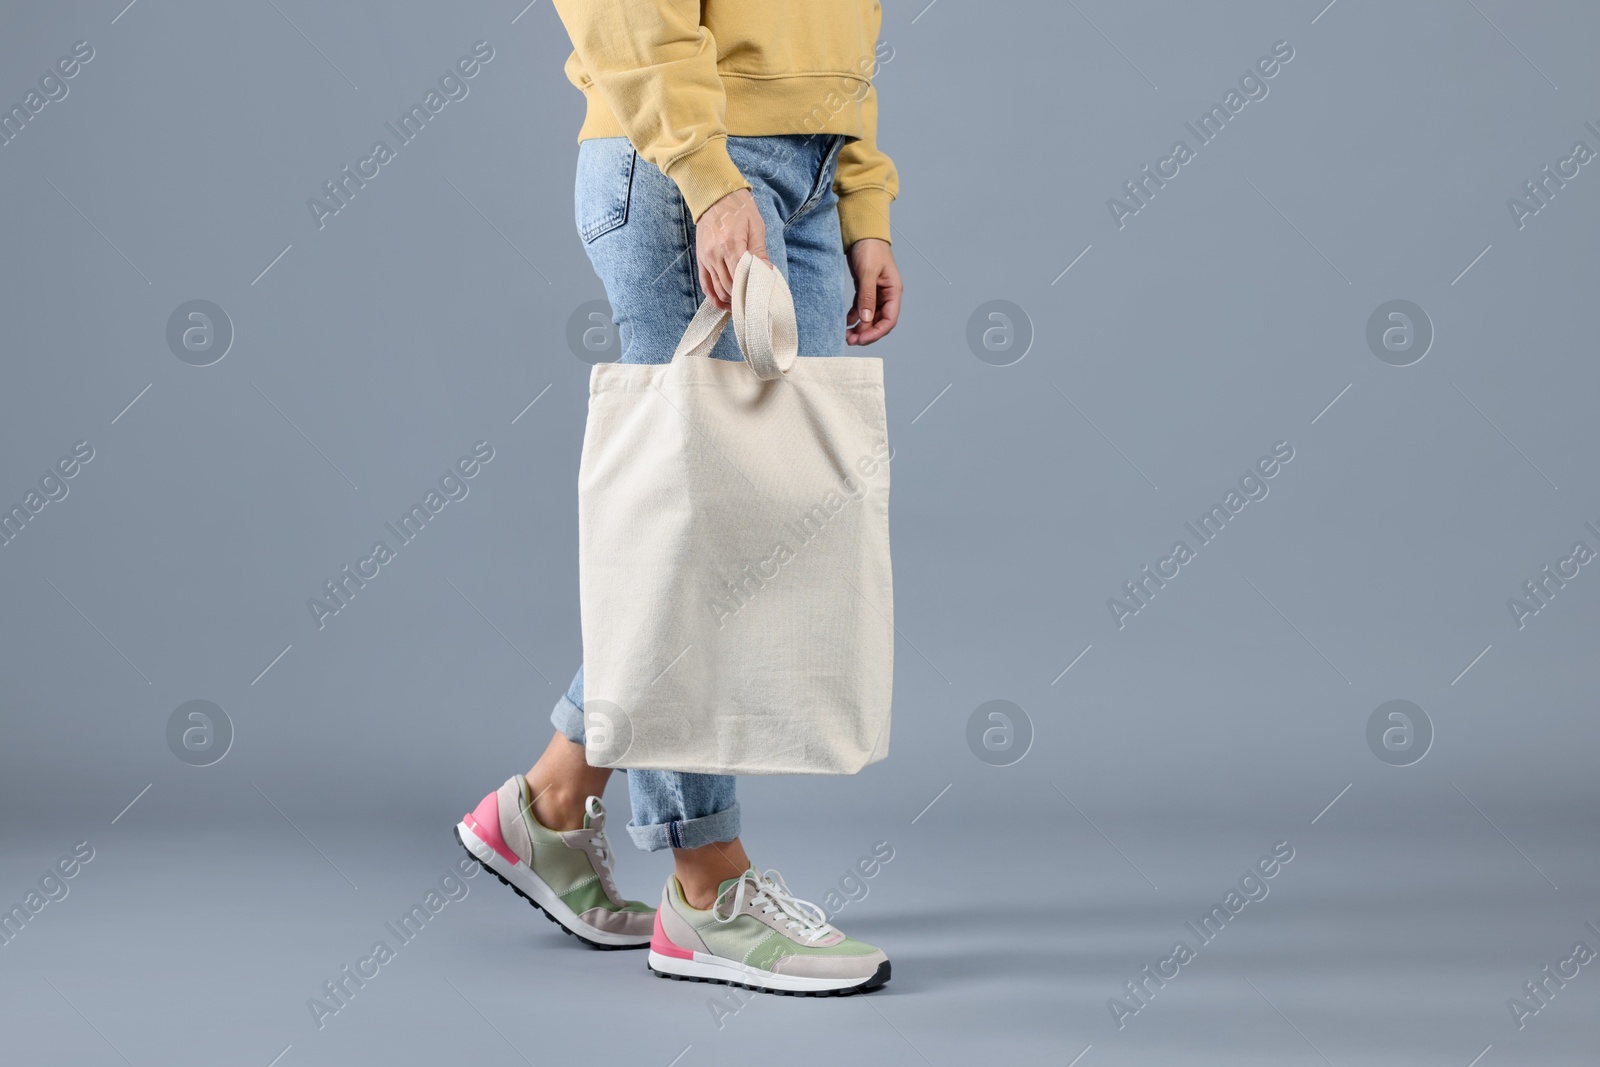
565, 874
759, 936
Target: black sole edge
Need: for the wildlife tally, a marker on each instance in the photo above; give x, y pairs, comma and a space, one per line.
592, 944
879, 979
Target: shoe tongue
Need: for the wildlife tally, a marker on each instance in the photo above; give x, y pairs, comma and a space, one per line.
748, 876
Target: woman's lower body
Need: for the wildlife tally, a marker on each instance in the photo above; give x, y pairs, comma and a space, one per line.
543, 832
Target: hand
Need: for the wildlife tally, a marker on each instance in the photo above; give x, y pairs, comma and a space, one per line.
726, 230
878, 289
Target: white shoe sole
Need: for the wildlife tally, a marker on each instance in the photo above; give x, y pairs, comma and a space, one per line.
707, 968
536, 892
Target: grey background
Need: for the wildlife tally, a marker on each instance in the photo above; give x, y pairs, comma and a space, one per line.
1226, 716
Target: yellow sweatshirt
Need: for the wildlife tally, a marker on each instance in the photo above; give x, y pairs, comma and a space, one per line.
676, 77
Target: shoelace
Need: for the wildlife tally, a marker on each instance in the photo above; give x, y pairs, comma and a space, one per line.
602, 848
804, 919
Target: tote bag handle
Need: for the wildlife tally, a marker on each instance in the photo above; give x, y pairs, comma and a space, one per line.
763, 321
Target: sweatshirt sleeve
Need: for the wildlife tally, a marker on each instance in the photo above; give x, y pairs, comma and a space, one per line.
655, 67
866, 180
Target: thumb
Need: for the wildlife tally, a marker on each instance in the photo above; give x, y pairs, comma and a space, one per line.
867, 299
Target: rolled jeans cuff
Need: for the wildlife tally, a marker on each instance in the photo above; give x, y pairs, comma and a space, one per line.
567, 718
662, 800
687, 833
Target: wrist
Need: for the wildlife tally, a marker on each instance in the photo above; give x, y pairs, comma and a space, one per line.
866, 245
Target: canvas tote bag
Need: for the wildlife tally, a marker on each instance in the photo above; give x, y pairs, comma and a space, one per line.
734, 575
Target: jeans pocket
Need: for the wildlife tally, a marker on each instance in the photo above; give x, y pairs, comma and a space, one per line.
604, 186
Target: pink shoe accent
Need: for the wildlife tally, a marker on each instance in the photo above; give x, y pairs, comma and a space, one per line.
485, 822
660, 943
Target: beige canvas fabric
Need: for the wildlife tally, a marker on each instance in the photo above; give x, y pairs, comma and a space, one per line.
734, 567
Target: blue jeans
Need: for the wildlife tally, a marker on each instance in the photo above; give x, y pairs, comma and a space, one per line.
640, 238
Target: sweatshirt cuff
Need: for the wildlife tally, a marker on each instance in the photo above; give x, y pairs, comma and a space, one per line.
864, 213
706, 175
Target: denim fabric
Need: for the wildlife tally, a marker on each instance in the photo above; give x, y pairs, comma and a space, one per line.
671, 809
640, 238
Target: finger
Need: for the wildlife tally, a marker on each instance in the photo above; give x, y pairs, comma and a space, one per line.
867, 298
708, 286
722, 276
736, 252
889, 312
859, 318
889, 294
887, 316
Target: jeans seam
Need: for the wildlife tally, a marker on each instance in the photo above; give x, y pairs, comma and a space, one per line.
691, 262
675, 826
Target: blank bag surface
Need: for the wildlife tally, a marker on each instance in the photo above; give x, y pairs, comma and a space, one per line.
734, 568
